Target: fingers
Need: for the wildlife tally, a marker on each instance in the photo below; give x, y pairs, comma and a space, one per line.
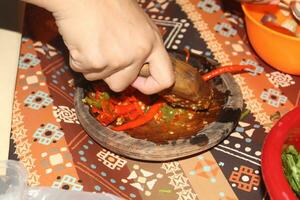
120, 80
96, 67
161, 70
275, 2
119, 74
92, 76
119, 64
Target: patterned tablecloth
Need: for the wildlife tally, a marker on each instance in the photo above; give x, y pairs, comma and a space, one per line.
48, 139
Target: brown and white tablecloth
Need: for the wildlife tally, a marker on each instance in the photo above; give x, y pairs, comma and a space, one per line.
48, 139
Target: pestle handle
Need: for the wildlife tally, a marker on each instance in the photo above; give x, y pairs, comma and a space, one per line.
188, 82
145, 71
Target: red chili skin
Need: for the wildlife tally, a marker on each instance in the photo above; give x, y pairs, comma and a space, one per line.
107, 106
141, 120
222, 70
188, 54
124, 109
97, 95
105, 118
131, 111
95, 110
136, 113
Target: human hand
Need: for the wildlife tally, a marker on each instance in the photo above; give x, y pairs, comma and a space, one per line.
111, 40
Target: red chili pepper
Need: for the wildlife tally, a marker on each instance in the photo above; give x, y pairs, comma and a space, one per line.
124, 109
142, 120
133, 115
188, 54
222, 70
107, 106
114, 101
137, 112
95, 110
97, 95
105, 118
132, 99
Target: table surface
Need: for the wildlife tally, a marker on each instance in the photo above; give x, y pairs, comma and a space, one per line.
48, 139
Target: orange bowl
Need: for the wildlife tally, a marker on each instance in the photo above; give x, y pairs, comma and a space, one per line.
277, 49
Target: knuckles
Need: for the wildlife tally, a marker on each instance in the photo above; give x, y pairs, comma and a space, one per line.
119, 62
142, 51
87, 60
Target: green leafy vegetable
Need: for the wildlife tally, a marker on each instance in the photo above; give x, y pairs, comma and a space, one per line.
291, 167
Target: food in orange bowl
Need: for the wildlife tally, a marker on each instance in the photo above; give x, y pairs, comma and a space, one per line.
286, 132
279, 50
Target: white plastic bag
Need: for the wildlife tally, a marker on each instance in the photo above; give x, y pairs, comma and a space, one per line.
51, 194
13, 187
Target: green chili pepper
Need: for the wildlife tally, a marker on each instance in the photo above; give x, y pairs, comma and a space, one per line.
168, 112
92, 102
104, 96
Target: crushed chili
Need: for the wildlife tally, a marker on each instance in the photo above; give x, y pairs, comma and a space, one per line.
148, 116
128, 111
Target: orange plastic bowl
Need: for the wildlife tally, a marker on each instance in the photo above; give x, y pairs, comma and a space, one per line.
277, 49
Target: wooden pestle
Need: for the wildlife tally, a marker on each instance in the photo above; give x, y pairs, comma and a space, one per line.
189, 89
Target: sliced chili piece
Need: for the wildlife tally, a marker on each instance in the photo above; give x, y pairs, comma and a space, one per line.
137, 112
102, 95
133, 115
107, 106
148, 116
92, 102
222, 70
105, 118
97, 95
131, 99
95, 110
188, 54
124, 109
